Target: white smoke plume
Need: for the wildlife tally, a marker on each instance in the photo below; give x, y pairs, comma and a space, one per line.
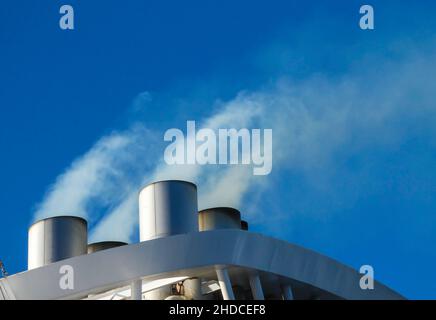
317, 124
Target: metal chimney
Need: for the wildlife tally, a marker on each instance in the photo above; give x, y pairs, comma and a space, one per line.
219, 218
167, 208
104, 245
57, 238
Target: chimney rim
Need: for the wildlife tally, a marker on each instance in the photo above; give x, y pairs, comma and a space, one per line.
169, 180
59, 217
228, 209
108, 241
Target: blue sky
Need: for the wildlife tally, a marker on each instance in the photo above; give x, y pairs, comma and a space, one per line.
353, 114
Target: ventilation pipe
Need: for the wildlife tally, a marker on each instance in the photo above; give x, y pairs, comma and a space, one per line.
104, 245
57, 238
167, 208
219, 218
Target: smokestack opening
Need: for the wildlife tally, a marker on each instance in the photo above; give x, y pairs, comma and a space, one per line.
104, 245
56, 238
219, 218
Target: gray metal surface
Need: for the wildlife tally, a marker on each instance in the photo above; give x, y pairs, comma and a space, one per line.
219, 218
244, 225
57, 238
225, 284
104, 245
167, 208
197, 255
256, 287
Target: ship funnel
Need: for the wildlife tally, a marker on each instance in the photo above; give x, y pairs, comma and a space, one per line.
219, 218
57, 238
167, 208
104, 245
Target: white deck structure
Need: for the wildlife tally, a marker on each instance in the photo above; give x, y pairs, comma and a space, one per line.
226, 263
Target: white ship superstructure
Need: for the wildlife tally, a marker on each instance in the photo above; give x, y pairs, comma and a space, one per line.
183, 254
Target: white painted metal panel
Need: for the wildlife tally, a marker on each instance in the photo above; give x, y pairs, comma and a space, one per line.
191, 255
